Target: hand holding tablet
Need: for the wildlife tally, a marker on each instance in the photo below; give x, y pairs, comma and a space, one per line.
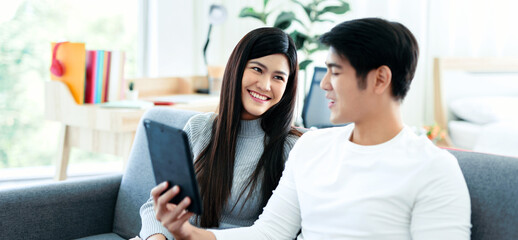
172, 161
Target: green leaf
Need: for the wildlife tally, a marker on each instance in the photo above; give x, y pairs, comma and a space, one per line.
319, 47
318, 2
311, 51
304, 64
284, 20
250, 12
265, 2
307, 9
299, 39
335, 9
324, 20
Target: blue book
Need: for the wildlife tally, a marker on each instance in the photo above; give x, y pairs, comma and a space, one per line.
99, 76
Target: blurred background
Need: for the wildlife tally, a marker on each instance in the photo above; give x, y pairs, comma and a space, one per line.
164, 38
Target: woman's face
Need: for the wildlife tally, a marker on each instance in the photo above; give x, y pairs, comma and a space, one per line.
264, 83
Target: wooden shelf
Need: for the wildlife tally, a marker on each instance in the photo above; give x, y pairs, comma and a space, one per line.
60, 106
107, 130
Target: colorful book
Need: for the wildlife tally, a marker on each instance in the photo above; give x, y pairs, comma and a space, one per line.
99, 76
90, 76
73, 59
124, 85
104, 76
115, 81
107, 64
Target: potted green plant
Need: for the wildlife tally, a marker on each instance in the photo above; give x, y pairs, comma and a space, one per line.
132, 93
303, 32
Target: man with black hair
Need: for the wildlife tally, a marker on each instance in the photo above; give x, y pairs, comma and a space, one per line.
372, 179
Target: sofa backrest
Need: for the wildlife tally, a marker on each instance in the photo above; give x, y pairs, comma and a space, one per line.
138, 179
492, 182
493, 187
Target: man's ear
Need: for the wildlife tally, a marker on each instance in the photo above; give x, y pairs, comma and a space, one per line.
382, 80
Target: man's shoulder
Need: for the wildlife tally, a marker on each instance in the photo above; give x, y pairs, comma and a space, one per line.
326, 132
429, 149
421, 148
319, 138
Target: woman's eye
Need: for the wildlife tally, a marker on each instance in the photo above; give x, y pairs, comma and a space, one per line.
257, 69
279, 78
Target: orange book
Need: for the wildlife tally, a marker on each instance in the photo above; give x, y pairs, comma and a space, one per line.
105, 76
108, 55
73, 59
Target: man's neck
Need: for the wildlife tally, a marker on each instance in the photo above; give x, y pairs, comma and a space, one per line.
378, 128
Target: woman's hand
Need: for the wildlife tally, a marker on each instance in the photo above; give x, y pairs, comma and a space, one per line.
173, 217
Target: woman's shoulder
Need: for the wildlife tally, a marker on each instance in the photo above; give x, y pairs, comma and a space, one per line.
293, 137
201, 120
198, 125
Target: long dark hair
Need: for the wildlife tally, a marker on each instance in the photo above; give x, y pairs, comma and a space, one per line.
215, 164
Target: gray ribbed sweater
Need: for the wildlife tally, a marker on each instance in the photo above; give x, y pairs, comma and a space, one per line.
249, 149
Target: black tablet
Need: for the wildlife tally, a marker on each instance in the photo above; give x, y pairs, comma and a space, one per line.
172, 161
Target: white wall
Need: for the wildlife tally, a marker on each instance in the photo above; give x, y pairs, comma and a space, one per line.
413, 14
471, 28
177, 32
171, 37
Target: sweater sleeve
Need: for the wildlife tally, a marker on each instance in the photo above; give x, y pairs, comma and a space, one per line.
150, 225
442, 209
198, 130
281, 216
288, 145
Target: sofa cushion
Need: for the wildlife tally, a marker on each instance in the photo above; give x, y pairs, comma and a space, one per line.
60, 210
138, 180
493, 186
106, 236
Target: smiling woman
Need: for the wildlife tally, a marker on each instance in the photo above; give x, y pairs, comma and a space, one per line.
264, 82
240, 151
26, 30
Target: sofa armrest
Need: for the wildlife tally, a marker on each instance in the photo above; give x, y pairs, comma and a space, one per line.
61, 210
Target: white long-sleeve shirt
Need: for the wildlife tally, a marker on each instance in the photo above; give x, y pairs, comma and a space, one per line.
331, 188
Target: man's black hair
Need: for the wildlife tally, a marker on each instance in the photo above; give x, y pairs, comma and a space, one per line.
369, 43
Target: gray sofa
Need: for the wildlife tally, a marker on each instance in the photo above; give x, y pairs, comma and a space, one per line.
107, 207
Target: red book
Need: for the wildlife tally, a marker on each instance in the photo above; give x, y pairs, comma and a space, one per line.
91, 57
107, 60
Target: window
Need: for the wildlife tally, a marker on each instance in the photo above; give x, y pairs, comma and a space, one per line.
26, 29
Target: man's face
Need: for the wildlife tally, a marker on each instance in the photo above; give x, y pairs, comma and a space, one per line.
348, 103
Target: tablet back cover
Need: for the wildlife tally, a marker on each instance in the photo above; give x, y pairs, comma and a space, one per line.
172, 161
